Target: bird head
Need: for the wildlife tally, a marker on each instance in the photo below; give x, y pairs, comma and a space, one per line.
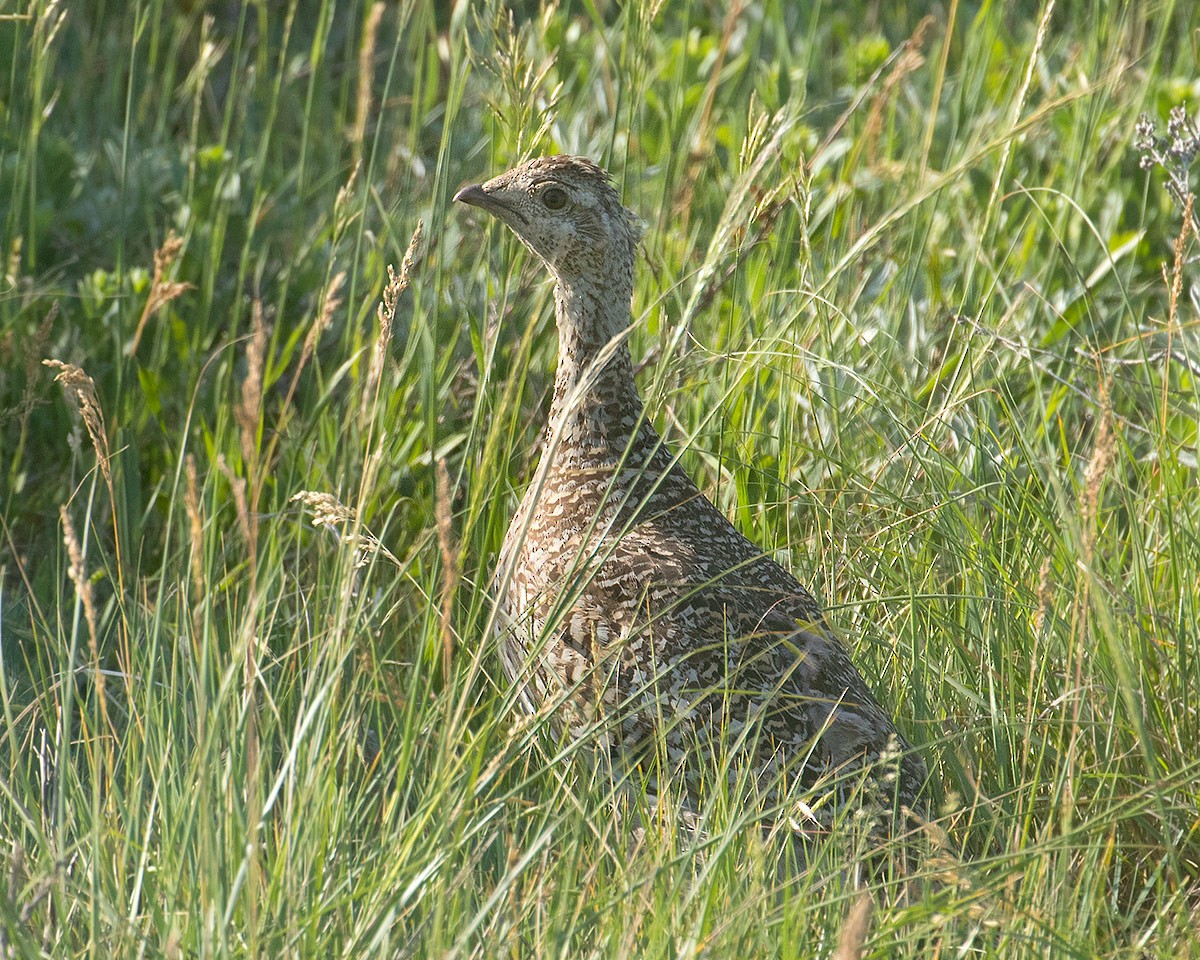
566, 211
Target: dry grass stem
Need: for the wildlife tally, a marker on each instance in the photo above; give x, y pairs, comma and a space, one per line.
83, 590
702, 140
1045, 594
191, 502
249, 411
1175, 285
1176, 289
248, 490
1103, 452
162, 289
329, 306
346, 191
12, 264
445, 536
83, 586
855, 930
238, 487
386, 314
366, 75
330, 302
910, 59
80, 391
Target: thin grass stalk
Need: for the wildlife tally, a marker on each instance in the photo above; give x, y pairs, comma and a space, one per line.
1175, 288
450, 574
366, 76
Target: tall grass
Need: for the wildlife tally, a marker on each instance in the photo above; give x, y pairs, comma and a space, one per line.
919, 321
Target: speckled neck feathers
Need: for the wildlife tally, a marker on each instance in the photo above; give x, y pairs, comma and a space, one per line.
596, 405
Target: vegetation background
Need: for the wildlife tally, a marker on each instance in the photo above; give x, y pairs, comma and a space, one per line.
924, 325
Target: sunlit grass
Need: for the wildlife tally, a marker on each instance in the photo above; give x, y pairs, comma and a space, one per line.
914, 315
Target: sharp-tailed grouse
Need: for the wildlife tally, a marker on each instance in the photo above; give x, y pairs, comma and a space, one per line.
632, 604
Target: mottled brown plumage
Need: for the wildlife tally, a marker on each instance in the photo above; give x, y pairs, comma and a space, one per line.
632, 603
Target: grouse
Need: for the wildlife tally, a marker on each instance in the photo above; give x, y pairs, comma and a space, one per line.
633, 610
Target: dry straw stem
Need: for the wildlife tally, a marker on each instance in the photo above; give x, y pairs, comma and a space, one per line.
83, 586
162, 290
1180, 248
83, 590
248, 414
238, 486
247, 491
1176, 289
329, 305
366, 75
1045, 595
445, 536
910, 59
330, 302
853, 938
386, 313
191, 501
12, 266
900, 53
249, 411
702, 140
1103, 452
1102, 457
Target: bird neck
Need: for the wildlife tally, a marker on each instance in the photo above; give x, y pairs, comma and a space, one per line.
596, 405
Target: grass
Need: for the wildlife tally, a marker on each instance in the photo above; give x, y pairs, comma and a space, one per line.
919, 321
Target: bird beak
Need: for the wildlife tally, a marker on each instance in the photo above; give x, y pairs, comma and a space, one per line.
477, 196
474, 195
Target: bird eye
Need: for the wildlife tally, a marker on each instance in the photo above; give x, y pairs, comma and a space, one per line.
554, 198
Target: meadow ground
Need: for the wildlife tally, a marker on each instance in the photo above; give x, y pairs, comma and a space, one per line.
923, 323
